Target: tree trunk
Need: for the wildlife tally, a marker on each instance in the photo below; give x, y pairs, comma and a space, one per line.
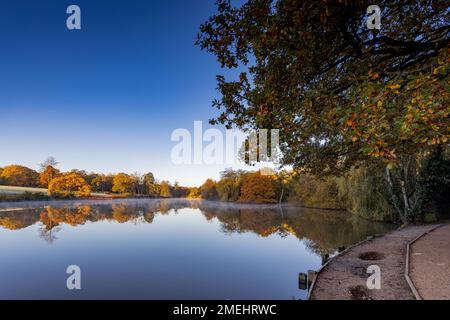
400, 181
394, 197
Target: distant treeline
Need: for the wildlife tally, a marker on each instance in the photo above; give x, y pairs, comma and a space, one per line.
79, 183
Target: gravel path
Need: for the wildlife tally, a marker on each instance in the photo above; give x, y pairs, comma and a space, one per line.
345, 277
430, 264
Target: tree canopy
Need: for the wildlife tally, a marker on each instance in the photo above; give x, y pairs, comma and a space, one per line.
208, 190
124, 183
19, 176
47, 174
258, 188
164, 189
340, 93
69, 185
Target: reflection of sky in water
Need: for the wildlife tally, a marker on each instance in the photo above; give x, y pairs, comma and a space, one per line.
183, 255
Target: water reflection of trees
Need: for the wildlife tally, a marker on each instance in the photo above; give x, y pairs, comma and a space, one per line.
323, 231
74, 215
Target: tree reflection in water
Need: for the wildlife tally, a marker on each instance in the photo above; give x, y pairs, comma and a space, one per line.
322, 231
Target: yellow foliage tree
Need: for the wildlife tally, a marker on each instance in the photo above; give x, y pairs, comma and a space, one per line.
19, 176
165, 189
124, 183
208, 190
258, 188
69, 185
194, 193
47, 175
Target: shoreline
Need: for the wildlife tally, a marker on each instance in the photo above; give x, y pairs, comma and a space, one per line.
344, 276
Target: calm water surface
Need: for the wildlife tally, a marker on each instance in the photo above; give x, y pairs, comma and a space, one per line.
168, 249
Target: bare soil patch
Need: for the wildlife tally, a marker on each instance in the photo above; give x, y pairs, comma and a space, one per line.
359, 293
371, 256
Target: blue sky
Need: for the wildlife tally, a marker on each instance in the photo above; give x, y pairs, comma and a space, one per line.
105, 98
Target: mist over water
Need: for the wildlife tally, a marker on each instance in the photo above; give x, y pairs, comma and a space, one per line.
168, 249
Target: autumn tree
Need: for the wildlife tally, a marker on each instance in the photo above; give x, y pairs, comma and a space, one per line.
258, 188
90, 177
208, 190
81, 173
341, 94
194, 193
140, 186
124, 183
228, 187
19, 176
164, 187
47, 175
69, 185
102, 183
48, 171
151, 186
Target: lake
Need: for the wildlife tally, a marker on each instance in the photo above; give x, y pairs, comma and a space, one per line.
168, 249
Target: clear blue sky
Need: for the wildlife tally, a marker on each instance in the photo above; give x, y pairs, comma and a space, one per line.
105, 98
